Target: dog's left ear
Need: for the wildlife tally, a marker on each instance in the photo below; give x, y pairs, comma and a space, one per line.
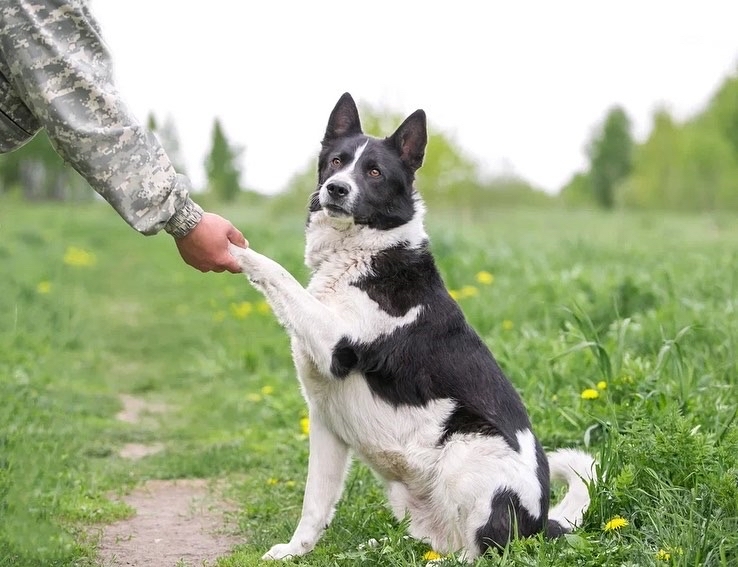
410, 138
344, 120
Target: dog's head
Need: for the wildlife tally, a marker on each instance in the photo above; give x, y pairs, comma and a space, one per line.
364, 180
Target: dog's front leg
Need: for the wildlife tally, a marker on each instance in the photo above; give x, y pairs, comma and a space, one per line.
326, 472
298, 311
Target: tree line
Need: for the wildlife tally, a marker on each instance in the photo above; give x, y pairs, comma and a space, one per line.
690, 165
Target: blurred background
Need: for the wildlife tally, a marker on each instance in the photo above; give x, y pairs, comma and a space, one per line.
574, 103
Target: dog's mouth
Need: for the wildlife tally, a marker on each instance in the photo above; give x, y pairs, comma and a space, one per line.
334, 210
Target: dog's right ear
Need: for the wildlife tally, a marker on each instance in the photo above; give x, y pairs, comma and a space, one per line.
344, 120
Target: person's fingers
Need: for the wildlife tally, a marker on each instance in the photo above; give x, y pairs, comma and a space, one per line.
236, 237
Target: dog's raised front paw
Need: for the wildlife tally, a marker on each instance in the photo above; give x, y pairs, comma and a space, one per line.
283, 551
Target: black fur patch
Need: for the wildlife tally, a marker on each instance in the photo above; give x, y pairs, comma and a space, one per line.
508, 519
438, 356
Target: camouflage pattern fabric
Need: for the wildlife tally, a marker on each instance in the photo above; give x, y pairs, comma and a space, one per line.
56, 73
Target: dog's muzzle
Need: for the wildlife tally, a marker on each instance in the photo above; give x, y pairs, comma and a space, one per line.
334, 198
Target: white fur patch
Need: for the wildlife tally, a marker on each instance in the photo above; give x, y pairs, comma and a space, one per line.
334, 244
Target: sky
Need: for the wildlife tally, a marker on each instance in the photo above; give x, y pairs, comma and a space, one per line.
519, 86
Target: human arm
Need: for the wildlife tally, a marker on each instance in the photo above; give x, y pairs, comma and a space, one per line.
60, 67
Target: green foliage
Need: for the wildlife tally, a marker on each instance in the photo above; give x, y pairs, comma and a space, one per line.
684, 167
610, 156
222, 166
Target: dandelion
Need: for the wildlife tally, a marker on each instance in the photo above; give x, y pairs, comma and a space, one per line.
262, 308
290, 484
79, 257
590, 394
602, 385
253, 397
663, 555
272, 481
508, 325
305, 425
455, 295
468, 291
267, 390
431, 556
485, 278
241, 310
615, 523
43, 287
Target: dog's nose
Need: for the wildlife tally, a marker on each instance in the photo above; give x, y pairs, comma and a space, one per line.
338, 189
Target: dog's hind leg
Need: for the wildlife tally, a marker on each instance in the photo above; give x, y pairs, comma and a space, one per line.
326, 472
298, 311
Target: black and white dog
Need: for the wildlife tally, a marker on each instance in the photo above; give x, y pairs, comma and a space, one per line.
392, 372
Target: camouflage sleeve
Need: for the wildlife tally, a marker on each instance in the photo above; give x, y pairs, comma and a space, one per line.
60, 67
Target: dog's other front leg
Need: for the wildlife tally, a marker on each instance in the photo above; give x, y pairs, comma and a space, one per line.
326, 472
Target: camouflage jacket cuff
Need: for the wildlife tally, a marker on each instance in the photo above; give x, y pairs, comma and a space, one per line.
184, 220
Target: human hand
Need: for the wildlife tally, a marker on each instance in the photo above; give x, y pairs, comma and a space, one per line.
205, 247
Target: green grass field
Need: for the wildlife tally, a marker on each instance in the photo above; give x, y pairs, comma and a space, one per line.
619, 330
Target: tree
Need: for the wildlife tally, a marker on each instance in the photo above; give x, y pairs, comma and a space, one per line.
222, 166
610, 155
723, 111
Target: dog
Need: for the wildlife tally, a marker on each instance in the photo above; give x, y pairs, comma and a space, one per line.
392, 372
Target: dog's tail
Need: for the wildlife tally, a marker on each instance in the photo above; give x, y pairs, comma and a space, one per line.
576, 469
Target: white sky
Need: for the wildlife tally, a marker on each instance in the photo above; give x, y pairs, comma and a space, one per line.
519, 85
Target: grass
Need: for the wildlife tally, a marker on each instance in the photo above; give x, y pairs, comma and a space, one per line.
641, 309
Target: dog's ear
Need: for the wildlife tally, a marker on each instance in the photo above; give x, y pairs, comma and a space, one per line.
410, 138
344, 120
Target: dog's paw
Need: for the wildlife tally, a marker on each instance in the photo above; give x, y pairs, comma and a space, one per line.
282, 551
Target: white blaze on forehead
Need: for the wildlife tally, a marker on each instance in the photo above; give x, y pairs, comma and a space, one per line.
357, 155
346, 174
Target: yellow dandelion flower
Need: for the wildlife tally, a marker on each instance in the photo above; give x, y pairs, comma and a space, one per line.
455, 295
431, 556
43, 287
253, 397
267, 390
79, 257
590, 394
485, 278
241, 310
272, 481
508, 325
602, 385
219, 316
305, 425
615, 523
663, 555
263, 308
290, 483
469, 291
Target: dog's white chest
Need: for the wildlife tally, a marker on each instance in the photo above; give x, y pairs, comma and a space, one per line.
399, 443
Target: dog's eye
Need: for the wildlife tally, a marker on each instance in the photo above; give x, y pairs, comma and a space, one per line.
336, 161
374, 172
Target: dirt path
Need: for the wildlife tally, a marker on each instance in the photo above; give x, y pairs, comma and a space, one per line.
177, 522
